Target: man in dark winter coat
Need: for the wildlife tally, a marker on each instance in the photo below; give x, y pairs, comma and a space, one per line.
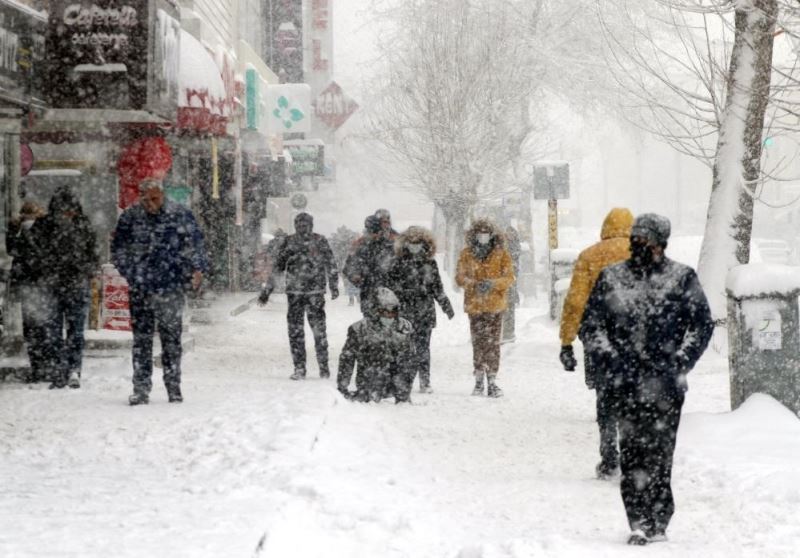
159, 249
308, 261
381, 348
414, 277
66, 248
368, 266
648, 320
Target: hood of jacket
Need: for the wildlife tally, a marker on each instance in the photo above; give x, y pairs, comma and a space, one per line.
412, 235
485, 225
617, 224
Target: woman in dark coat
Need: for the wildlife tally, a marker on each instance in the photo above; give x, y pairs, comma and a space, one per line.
25, 278
67, 254
414, 277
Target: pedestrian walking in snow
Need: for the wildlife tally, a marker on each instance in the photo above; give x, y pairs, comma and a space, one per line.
414, 278
368, 266
385, 219
158, 247
66, 248
613, 248
270, 282
308, 261
509, 316
25, 286
381, 349
647, 322
485, 272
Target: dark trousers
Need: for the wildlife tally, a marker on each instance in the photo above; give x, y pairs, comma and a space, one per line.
485, 332
66, 307
607, 419
421, 340
648, 431
33, 302
312, 305
149, 312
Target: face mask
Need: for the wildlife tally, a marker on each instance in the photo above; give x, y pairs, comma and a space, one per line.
303, 229
386, 322
415, 248
27, 223
483, 238
641, 254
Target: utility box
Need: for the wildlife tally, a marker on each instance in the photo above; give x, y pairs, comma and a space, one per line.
764, 333
562, 261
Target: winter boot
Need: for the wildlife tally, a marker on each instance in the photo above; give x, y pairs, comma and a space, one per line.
138, 398
174, 394
425, 388
493, 390
637, 538
324, 372
74, 380
299, 374
478, 390
605, 472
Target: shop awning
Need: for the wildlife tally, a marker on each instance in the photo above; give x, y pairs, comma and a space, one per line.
201, 101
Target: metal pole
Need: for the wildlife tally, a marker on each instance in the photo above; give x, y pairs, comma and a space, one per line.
552, 223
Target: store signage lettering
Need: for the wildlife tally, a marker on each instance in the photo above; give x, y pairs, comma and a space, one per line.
123, 19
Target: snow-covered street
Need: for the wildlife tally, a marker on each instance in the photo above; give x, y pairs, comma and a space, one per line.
253, 464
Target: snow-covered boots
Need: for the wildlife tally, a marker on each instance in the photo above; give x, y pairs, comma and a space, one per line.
139, 398
478, 390
493, 390
299, 374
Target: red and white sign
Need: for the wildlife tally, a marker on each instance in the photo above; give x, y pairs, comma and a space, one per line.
333, 106
115, 313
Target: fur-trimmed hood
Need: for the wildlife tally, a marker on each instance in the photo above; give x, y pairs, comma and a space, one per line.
485, 225
415, 234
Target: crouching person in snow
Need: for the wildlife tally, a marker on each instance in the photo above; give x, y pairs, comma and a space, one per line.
648, 322
308, 261
158, 248
485, 272
414, 277
381, 347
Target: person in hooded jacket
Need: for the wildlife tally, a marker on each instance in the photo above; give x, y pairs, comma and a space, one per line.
381, 349
414, 278
25, 286
614, 247
308, 261
66, 247
367, 267
647, 322
485, 272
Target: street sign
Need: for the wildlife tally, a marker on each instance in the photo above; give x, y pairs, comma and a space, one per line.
288, 108
333, 107
551, 180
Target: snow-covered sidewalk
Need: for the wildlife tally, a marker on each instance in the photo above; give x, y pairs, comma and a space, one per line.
252, 464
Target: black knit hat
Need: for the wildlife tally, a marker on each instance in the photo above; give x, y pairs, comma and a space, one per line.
653, 227
372, 224
304, 218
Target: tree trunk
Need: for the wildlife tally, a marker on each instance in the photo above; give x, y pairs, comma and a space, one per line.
737, 166
455, 215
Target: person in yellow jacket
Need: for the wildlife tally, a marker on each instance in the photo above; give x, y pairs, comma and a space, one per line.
485, 272
614, 247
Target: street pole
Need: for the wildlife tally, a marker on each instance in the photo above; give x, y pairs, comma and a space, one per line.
552, 223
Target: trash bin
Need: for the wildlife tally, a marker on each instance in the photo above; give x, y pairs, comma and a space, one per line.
764, 333
562, 260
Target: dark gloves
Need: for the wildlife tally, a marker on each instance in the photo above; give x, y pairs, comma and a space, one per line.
334, 292
449, 312
483, 287
567, 358
263, 297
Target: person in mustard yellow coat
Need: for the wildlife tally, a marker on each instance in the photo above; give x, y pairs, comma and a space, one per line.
485, 272
614, 247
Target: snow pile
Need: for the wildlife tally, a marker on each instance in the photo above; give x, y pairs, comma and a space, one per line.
199, 78
762, 279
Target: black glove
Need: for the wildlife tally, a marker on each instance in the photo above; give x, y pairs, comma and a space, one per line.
334, 293
484, 286
567, 358
449, 312
263, 297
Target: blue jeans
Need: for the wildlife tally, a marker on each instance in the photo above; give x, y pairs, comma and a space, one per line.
64, 306
164, 312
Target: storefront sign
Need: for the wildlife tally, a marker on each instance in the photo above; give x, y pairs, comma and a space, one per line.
285, 50
308, 157
288, 108
22, 41
112, 54
333, 107
115, 313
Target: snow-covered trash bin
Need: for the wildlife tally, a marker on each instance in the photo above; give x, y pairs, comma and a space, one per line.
562, 260
764, 333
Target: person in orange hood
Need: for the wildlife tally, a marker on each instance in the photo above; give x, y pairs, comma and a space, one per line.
485, 272
614, 247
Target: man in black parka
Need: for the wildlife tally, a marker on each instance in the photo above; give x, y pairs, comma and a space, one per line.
308, 261
368, 266
648, 320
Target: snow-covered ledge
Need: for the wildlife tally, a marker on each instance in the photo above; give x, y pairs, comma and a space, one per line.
763, 281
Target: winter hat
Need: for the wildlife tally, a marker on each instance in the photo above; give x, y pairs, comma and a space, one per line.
372, 224
304, 218
383, 215
386, 299
655, 228
64, 199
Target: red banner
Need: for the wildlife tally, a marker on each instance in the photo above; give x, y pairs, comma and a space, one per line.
115, 313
